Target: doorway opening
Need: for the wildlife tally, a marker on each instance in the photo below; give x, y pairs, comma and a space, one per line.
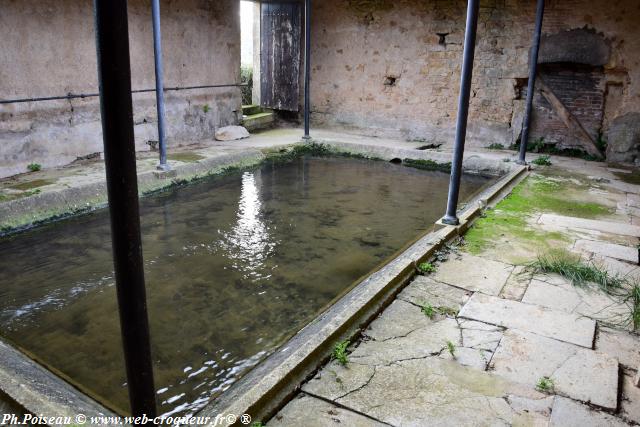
247, 50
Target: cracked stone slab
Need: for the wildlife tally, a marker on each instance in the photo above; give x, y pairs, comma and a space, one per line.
584, 300
309, 411
540, 320
422, 342
562, 222
396, 321
403, 332
426, 290
620, 344
474, 273
516, 285
579, 373
611, 250
569, 413
618, 268
630, 403
431, 391
477, 344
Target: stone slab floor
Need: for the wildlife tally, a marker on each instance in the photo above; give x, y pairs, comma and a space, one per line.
469, 344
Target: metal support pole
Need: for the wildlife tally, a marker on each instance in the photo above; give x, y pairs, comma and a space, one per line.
307, 66
157, 53
533, 69
451, 217
114, 77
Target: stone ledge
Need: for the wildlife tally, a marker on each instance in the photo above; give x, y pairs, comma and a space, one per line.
41, 392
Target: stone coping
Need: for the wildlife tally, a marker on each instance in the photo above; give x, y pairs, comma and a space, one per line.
41, 392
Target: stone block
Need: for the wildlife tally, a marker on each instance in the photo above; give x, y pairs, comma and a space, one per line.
231, 133
540, 320
569, 413
576, 372
309, 411
474, 274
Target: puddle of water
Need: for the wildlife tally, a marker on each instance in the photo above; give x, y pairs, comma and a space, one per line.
234, 265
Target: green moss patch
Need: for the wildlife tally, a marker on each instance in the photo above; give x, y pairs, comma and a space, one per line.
310, 149
30, 185
510, 218
429, 165
632, 177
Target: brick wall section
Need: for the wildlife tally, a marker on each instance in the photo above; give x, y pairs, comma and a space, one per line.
356, 45
581, 91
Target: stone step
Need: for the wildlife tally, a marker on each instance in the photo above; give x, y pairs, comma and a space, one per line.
567, 327
474, 273
611, 250
258, 121
560, 221
584, 301
249, 110
569, 413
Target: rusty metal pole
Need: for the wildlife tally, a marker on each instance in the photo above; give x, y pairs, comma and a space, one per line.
451, 217
307, 67
114, 77
533, 70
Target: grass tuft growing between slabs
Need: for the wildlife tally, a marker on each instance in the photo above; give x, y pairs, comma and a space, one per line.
426, 268
581, 273
545, 385
340, 353
430, 311
509, 219
451, 348
571, 267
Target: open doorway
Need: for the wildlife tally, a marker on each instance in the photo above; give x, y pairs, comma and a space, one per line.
270, 61
246, 50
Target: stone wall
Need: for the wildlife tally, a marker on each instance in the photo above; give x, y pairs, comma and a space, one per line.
48, 48
393, 67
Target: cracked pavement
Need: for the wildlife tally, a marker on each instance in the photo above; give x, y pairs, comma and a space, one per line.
490, 333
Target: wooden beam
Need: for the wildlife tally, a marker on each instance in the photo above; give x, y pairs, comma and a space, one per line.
570, 121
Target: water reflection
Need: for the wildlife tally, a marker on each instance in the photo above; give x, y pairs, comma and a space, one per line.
249, 244
233, 266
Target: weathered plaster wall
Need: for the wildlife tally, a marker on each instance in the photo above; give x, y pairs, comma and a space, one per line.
47, 47
384, 66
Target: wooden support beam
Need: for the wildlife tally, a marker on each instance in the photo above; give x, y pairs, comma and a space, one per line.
570, 121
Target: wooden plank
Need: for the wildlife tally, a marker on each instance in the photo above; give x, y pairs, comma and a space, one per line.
280, 55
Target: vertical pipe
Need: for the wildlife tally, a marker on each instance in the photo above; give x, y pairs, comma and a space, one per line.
114, 77
451, 217
533, 69
157, 53
307, 66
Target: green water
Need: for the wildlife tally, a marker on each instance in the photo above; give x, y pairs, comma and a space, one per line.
234, 266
